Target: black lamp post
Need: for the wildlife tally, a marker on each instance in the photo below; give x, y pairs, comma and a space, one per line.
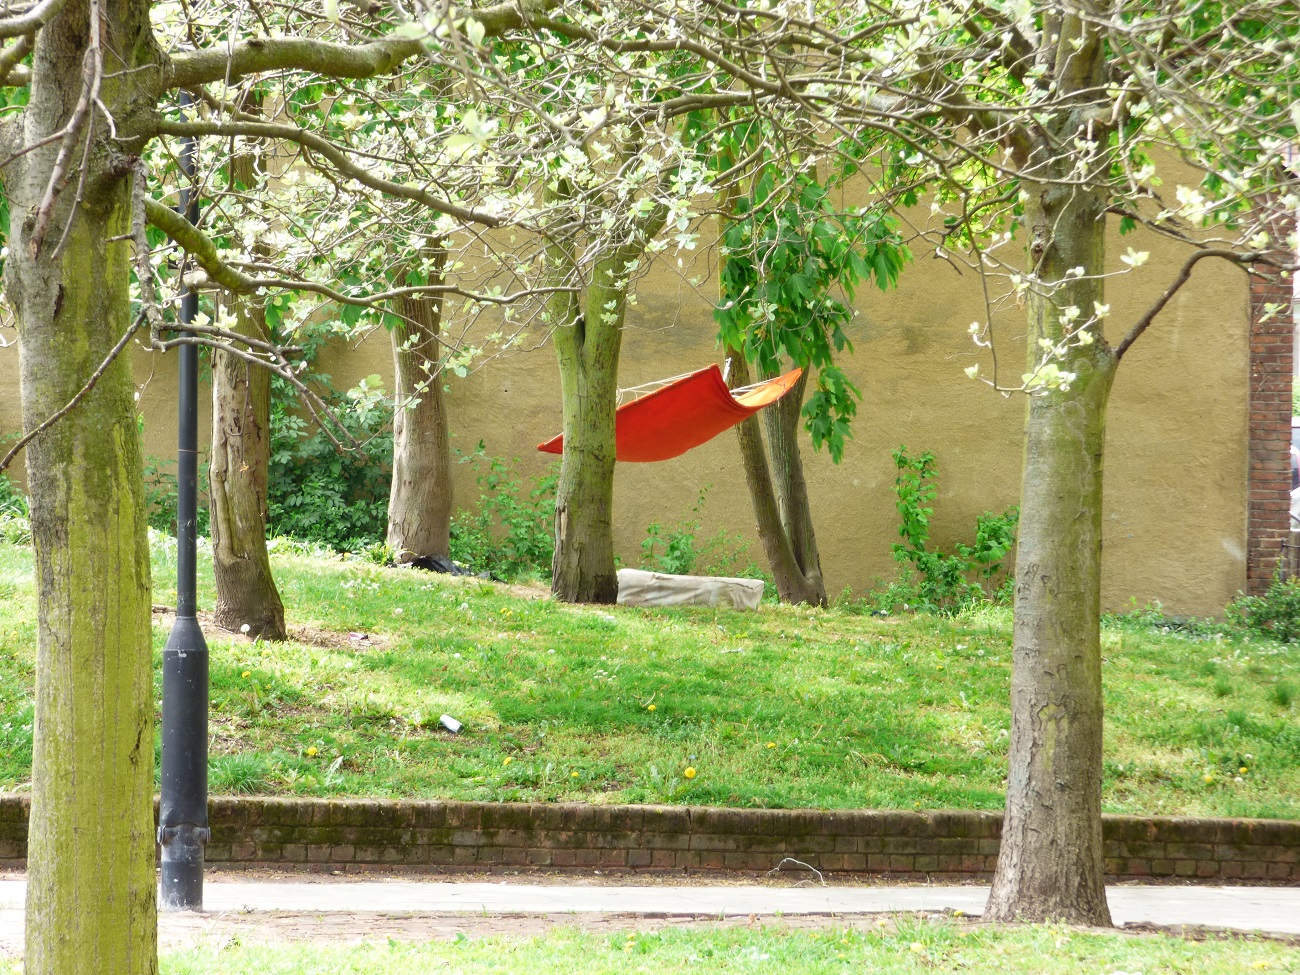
183, 807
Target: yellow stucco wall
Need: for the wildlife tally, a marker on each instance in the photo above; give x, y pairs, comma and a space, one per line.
1175, 508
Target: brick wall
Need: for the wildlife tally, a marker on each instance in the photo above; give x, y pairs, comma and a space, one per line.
1272, 349
360, 835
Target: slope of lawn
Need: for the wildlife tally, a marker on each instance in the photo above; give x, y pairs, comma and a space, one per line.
785, 707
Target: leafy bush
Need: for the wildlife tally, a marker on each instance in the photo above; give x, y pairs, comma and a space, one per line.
15, 528
676, 550
1275, 615
511, 534
12, 499
934, 581
315, 492
161, 493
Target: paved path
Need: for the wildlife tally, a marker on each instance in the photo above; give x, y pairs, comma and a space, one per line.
1267, 909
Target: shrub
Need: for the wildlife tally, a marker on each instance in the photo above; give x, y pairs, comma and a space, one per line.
511, 534
1275, 615
161, 493
12, 500
315, 492
932, 580
677, 550
15, 526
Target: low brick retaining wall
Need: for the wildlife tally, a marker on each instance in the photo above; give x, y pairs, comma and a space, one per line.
358, 835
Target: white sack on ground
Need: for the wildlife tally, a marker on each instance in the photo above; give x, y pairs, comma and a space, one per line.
636, 587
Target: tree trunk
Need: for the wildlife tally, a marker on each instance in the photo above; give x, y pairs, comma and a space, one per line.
781, 509
90, 896
587, 347
241, 454
420, 502
1051, 864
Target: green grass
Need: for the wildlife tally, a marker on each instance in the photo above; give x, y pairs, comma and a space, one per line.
787, 707
909, 946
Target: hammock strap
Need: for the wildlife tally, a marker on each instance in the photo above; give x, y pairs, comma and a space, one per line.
650, 387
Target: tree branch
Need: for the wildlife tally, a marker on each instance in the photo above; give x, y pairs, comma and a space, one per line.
340, 159
330, 59
82, 393
201, 247
13, 74
31, 21
1184, 275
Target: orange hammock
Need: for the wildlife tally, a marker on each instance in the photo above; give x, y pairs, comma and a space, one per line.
685, 413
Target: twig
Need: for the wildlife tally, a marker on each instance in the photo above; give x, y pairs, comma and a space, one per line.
799, 863
81, 394
1184, 275
144, 266
91, 69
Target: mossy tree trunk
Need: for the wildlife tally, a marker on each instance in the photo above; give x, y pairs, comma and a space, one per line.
91, 899
241, 454
239, 465
1051, 864
587, 345
779, 493
420, 502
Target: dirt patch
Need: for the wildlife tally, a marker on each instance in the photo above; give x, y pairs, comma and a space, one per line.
306, 633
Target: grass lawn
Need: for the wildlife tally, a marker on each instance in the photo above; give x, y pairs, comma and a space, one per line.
910, 946
787, 707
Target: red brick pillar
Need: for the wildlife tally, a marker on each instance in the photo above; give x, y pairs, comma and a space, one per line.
1272, 344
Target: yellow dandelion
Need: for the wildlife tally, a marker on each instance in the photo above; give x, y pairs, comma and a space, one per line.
246, 674
508, 760
690, 772
916, 946
649, 707
1209, 778
573, 775
311, 752
1242, 770
771, 744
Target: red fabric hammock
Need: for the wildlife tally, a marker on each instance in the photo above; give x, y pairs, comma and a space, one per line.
684, 414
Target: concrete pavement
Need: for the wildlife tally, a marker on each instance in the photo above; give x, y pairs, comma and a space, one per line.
1264, 909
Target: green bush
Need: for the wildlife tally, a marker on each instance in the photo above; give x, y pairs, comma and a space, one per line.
15, 526
678, 550
933, 581
511, 534
15, 523
1275, 615
315, 492
12, 500
161, 493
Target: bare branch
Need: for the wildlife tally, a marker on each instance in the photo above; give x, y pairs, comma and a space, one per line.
13, 74
228, 276
338, 157
331, 60
82, 393
32, 20
1184, 275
